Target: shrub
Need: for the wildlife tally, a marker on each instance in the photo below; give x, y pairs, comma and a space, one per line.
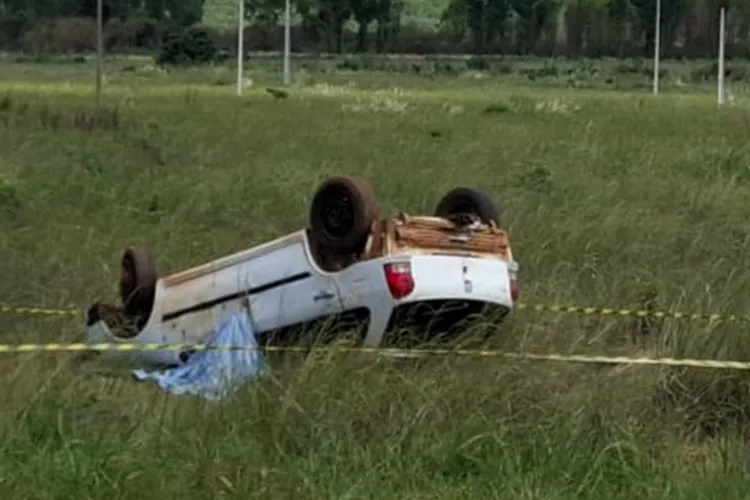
137, 33
62, 35
13, 26
188, 46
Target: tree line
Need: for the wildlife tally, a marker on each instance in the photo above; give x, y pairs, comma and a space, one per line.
593, 28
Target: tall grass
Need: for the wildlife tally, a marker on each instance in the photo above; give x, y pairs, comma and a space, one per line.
610, 199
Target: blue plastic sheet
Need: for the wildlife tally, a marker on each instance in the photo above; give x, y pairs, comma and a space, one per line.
215, 374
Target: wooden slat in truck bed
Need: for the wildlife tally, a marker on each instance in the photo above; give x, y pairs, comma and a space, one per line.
437, 235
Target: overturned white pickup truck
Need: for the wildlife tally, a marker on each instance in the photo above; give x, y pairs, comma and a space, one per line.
424, 275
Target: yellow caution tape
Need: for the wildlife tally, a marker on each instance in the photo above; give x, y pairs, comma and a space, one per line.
585, 311
482, 353
636, 313
37, 311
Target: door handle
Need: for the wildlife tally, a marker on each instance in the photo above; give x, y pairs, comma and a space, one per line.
323, 296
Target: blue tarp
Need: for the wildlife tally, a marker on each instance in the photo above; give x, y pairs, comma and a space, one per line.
215, 374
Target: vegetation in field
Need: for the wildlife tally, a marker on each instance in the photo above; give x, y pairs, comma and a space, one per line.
611, 199
371, 71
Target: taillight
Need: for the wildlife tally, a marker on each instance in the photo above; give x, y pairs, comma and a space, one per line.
399, 279
515, 290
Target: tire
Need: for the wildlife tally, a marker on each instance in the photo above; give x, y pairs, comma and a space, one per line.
341, 214
138, 283
468, 200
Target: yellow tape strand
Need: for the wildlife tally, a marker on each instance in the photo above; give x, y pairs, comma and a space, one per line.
37, 311
558, 309
636, 313
482, 353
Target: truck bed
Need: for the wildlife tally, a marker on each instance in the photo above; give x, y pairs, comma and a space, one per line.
434, 235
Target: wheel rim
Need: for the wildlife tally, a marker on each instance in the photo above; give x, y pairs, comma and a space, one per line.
127, 279
338, 214
462, 201
464, 207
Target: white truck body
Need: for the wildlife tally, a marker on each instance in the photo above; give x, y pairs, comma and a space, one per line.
281, 285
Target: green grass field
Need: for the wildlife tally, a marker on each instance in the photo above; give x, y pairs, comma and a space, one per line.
614, 199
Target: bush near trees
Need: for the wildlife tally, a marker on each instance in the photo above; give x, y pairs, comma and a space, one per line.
593, 28
186, 46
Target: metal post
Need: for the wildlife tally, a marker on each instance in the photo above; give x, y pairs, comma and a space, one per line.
99, 51
657, 46
720, 77
241, 47
287, 41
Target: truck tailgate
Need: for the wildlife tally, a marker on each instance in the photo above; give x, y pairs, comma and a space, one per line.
460, 277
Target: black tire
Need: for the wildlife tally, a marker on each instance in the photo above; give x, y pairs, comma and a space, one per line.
468, 200
342, 212
138, 283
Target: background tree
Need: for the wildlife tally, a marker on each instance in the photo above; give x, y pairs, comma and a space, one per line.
573, 27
